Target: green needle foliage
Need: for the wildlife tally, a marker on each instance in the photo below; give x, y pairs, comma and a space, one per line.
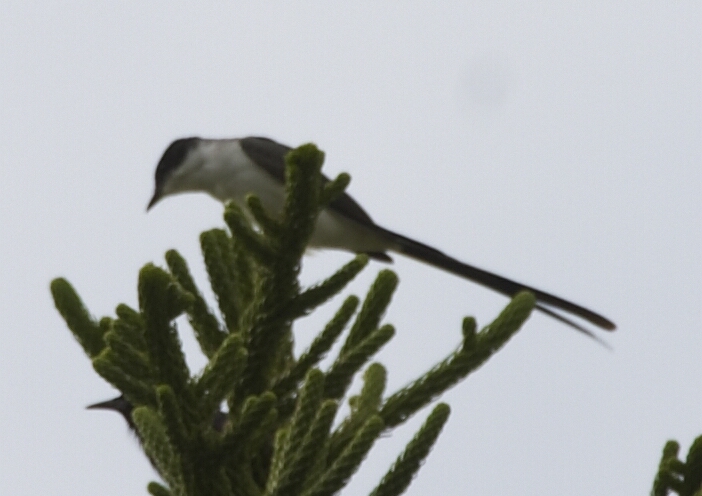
258, 420
675, 475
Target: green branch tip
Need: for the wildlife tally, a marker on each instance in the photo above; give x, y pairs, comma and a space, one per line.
400, 475
160, 296
347, 463
84, 328
156, 489
306, 156
508, 321
334, 189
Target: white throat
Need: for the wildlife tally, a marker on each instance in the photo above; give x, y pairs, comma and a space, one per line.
221, 169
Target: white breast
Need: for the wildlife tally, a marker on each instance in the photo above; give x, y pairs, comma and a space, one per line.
222, 169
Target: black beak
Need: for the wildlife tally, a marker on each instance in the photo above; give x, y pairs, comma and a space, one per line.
119, 404
154, 200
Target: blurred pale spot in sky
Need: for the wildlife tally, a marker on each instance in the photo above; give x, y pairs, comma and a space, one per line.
487, 81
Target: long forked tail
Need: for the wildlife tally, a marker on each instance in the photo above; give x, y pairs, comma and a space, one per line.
507, 287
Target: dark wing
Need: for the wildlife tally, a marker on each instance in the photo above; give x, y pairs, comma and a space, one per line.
270, 155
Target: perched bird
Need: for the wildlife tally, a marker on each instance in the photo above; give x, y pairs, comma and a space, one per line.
230, 169
121, 405
260, 461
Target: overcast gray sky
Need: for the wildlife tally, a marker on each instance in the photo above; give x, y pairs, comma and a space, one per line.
558, 144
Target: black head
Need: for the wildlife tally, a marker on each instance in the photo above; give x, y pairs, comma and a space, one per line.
170, 161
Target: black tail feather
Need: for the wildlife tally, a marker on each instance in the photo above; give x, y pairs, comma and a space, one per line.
507, 287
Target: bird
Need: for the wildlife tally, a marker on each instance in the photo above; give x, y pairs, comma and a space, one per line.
231, 169
124, 407
121, 405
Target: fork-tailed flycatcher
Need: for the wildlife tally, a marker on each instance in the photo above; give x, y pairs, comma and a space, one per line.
122, 406
230, 169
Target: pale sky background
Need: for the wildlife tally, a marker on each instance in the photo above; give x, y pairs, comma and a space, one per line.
559, 144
